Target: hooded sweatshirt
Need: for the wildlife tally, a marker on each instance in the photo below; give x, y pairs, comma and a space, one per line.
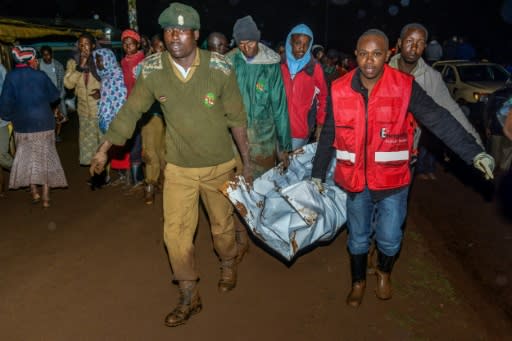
304, 82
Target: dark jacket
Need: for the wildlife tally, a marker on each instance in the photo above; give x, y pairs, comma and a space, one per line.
26, 100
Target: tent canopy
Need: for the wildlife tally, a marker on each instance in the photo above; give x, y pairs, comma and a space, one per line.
12, 30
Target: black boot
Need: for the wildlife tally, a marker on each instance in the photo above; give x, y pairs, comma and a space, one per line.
384, 289
358, 265
188, 305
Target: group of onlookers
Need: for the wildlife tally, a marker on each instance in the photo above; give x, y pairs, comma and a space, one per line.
251, 102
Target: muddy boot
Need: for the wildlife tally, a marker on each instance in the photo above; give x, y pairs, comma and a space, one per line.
149, 194
227, 281
384, 290
242, 240
358, 269
372, 260
188, 305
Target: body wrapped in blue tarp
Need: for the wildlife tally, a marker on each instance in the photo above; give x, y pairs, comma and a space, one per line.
285, 210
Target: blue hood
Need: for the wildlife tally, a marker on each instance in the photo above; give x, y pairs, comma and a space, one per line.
296, 65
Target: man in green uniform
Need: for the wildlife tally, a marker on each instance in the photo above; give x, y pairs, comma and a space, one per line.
268, 128
200, 100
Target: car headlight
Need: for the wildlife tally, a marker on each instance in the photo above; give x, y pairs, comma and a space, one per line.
480, 97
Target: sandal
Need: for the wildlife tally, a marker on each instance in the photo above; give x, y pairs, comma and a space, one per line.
46, 203
36, 198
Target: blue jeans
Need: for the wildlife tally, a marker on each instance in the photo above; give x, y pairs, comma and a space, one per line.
426, 161
385, 216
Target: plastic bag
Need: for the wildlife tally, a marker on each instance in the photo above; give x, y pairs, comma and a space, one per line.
285, 210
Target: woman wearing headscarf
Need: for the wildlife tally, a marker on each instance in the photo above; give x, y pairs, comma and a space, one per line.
26, 100
81, 75
306, 90
113, 89
113, 95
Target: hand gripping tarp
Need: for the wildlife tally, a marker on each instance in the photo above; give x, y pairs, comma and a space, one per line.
285, 210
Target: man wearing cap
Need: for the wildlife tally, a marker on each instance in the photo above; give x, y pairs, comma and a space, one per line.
199, 96
259, 78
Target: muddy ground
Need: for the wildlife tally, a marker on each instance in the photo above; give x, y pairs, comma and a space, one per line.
94, 267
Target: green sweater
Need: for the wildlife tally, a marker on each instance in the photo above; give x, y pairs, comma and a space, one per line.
197, 112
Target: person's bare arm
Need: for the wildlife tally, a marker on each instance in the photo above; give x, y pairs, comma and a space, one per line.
242, 142
100, 159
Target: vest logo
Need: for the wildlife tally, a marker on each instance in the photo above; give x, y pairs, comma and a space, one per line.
394, 138
260, 86
209, 100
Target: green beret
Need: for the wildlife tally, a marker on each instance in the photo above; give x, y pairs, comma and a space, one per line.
179, 15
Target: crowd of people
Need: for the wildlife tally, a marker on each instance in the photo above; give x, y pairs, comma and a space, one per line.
191, 117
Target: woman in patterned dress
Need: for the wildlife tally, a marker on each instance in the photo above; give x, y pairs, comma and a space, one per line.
113, 89
27, 99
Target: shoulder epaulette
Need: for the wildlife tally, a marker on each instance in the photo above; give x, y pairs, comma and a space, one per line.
221, 63
152, 63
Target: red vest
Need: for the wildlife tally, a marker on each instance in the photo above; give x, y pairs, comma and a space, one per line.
374, 144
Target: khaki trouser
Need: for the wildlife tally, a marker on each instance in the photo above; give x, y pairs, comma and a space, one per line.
153, 139
182, 188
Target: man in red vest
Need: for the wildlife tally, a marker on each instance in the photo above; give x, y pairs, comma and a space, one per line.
371, 128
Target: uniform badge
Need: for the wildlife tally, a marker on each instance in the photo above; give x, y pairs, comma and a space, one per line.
181, 21
209, 100
260, 86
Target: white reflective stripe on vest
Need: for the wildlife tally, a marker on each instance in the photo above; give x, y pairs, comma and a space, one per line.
402, 155
346, 156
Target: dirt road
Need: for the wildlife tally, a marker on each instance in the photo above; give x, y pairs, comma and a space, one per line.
93, 267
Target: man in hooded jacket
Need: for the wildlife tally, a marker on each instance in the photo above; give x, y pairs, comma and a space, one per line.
261, 86
305, 85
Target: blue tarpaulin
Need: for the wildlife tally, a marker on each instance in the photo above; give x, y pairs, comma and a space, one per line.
285, 210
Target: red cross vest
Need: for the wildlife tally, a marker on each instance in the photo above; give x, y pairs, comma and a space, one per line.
373, 145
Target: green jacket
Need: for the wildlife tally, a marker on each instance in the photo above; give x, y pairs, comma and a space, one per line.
198, 111
262, 89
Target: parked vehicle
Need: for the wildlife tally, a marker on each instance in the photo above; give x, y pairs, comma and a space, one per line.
470, 84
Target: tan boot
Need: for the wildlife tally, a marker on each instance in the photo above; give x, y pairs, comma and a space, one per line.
355, 297
358, 265
149, 194
384, 290
227, 281
188, 305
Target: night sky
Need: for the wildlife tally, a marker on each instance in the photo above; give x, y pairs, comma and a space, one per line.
339, 25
